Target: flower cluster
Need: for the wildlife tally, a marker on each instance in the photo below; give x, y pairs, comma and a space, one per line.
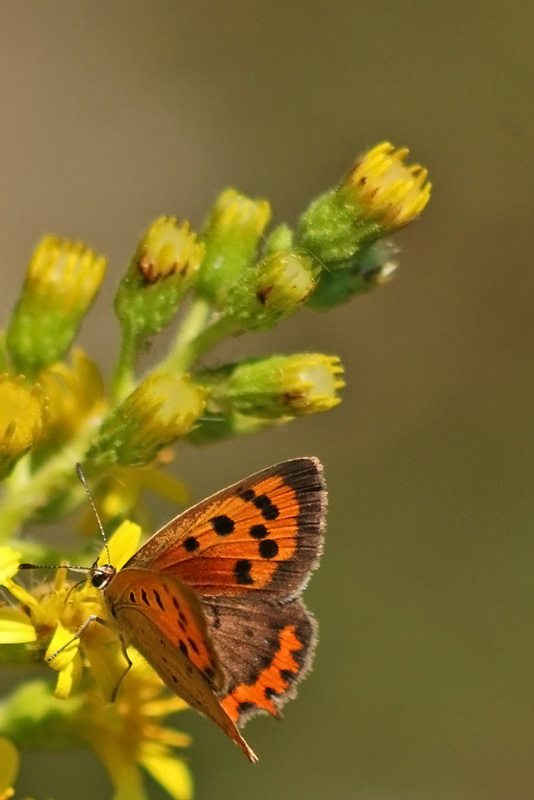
230, 278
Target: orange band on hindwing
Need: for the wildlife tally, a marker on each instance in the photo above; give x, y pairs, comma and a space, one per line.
273, 680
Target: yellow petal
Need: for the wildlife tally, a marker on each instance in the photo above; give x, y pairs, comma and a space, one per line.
107, 663
69, 678
9, 766
15, 627
171, 773
23, 413
62, 638
9, 563
122, 545
165, 485
23, 596
123, 772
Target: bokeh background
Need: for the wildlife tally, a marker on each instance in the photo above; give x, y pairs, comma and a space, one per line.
113, 113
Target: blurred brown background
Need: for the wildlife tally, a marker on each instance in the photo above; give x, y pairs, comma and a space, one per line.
113, 113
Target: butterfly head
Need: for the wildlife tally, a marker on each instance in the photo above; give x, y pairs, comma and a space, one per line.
101, 575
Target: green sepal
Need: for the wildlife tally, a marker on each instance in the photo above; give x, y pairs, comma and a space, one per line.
334, 228
37, 336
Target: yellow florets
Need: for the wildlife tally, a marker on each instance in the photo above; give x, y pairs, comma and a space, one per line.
395, 192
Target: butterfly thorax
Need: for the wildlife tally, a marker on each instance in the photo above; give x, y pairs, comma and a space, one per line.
101, 576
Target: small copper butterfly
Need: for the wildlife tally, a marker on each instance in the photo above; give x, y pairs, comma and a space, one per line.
212, 600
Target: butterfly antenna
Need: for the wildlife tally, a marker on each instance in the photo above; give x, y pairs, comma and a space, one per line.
54, 566
83, 481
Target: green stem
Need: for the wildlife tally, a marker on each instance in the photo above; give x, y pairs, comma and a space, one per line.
194, 321
182, 360
25, 493
124, 375
4, 357
196, 336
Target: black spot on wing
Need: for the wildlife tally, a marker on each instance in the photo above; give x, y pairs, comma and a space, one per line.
242, 572
191, 544
258, 531
222, 525
268, 548
267, 509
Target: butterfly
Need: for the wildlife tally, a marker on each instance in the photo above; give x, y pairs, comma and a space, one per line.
212, 600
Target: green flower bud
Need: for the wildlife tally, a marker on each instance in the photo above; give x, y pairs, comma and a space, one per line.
232, 234
276, 386
62, 281
273, 290
158, 277
380, 195
23, 415
369, 269
281, 239
162, 409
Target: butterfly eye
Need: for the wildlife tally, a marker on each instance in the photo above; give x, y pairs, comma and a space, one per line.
101, 576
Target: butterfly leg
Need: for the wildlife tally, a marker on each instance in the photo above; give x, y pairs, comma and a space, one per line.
81, 629
124, 674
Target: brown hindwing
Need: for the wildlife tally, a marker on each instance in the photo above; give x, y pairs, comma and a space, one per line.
266, 647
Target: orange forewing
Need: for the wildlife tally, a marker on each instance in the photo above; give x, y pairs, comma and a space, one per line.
181, 654
262, 534
173, 609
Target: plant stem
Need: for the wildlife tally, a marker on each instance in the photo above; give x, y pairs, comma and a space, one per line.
25, 493
196, 336
124, 374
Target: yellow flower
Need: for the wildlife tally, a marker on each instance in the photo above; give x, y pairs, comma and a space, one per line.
168, 248
128, 735
272, 290
391, 190
276, 386
23, 415
119, 494
231, 236
53, 613
16, 626
9, 767
62, 281
162, 409
236, 213
76, 397
65, 270
159, 275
